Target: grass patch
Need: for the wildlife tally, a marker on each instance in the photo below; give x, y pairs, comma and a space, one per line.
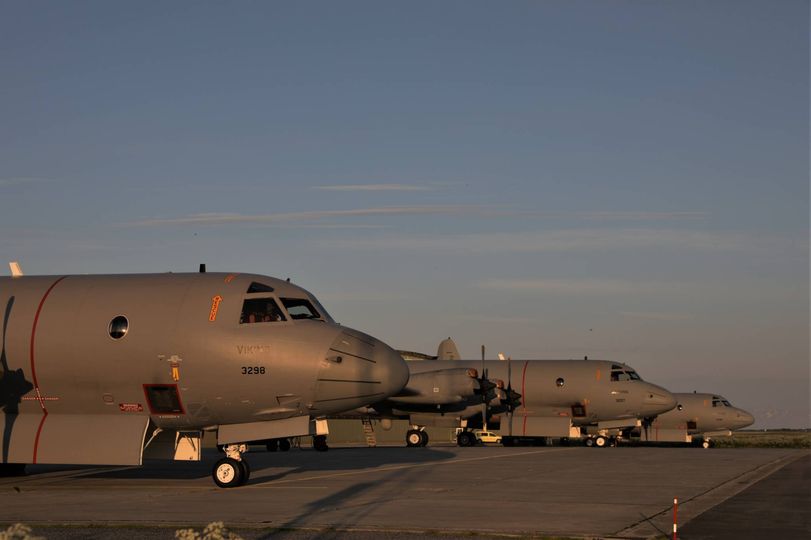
765, 439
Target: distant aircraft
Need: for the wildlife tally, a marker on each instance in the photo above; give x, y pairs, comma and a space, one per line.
111, 369
524, 400
697, 417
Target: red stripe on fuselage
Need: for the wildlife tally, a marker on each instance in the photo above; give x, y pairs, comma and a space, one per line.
524, 395
33, 367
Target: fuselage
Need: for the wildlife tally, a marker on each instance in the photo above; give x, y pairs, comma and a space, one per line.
585, 391
188, 351
702, 413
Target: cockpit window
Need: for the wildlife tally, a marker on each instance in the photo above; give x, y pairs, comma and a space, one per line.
720, 402
259, 287
257, 310
300, 308
619, 373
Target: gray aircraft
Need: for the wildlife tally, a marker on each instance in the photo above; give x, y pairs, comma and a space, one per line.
112, 369
525, 400
696, 418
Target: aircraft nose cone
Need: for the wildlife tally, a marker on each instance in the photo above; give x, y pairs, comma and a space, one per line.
390, 369
358, 370
657, 400
744, 419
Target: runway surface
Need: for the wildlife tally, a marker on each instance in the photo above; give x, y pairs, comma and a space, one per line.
395, 493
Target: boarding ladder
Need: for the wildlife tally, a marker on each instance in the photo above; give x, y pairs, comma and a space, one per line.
369, 432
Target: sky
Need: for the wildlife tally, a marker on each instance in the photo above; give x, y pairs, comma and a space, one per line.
625, 180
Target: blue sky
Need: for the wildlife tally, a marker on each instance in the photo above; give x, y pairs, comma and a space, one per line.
624, 180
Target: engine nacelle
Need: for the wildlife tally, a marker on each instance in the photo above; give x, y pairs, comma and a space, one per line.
441, 387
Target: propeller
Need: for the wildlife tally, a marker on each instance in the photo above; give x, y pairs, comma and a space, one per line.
512, 399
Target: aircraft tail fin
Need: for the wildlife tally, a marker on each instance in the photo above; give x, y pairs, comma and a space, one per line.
16, 269
447, 350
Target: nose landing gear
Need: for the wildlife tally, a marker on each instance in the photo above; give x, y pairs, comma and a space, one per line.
416, 437
232, 470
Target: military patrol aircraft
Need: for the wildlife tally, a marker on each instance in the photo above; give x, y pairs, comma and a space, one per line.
527, 401
696, 418
111, 369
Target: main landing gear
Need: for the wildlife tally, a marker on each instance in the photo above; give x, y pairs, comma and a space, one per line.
416, 437
466, 438
320, 443
601, 442
282, 445
232, 470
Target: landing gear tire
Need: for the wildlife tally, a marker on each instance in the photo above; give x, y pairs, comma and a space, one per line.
246, 472
284, 445
590, 442
320, 443
600, 441
465, 438
413, 438
423, 438
272, 445
228, 473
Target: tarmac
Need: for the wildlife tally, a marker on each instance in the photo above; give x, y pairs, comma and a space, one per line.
441, 491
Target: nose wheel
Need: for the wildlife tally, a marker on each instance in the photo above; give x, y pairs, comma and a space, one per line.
416, 437
320, 443
232, 470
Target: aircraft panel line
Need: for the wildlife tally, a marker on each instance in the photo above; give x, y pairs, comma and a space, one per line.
33, 367
353, 354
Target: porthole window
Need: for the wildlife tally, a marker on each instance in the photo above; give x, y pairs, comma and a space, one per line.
119, 327
560, 382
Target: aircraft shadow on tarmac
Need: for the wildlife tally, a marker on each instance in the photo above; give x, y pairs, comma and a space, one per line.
279, 464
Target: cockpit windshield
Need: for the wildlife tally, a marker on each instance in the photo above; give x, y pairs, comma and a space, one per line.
720, 402
257, 310
623, 373
300, 308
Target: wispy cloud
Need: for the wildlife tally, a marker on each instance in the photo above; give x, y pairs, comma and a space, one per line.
643, 216
656, 315
564, 240
566, 286
373, 187
226, 219
22, 180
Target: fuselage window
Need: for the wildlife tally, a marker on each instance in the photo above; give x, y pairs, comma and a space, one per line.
257, 310
300, 308
119, 327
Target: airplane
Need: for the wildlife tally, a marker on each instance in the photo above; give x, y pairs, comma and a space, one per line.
113, 369
540, 398
697, 418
